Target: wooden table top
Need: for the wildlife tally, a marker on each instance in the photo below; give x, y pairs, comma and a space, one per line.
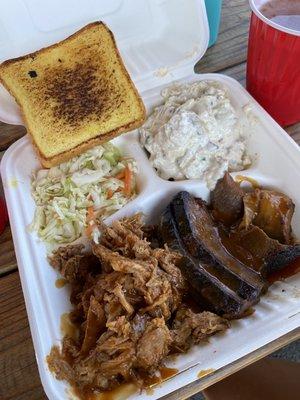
19, 377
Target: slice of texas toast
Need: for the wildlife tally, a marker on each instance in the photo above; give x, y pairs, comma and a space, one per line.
74, 94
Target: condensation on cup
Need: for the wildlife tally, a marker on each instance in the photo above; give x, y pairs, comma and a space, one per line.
273, 64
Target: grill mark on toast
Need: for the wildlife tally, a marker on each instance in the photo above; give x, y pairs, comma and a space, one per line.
78, 93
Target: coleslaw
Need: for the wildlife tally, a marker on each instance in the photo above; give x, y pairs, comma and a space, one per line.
73, 195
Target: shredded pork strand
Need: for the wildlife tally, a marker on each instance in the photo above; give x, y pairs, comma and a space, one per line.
129, 309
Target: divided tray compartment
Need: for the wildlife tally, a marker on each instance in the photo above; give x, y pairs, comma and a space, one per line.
276, 165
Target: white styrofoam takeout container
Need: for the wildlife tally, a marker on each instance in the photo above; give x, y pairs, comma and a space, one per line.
277, 165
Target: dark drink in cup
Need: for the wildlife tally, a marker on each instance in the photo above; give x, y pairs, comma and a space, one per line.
284, 12
273, 64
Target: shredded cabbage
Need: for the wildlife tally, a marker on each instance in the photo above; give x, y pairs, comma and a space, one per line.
64, 193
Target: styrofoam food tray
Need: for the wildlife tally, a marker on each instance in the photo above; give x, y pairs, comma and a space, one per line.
276, 166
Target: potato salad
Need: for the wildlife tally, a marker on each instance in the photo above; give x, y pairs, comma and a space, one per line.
196, 133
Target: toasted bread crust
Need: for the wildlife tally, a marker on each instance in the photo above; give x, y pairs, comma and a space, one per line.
101, 138
52, 46
63, 157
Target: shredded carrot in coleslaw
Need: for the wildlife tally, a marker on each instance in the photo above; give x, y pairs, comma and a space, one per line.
70, 196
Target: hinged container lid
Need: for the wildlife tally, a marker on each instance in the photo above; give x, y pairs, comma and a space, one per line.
160, 40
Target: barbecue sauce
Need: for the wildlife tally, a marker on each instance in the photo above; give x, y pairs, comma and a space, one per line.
121, 392
205, 372
167, 373
61, 282
241, 178
151, 381
290, 270
232, 245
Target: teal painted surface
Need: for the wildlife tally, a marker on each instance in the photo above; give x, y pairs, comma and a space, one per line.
213, 8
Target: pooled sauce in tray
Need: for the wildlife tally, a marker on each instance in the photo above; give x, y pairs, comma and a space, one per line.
60, 282
167, 373
121, 392
205, 372
241, 178
164, 374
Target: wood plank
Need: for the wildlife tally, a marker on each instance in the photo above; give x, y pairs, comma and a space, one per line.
19, 377
8, 260
231, 46
237, 72
294, 132
9, 134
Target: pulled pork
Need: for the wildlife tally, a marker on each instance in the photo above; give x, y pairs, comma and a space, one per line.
128, 306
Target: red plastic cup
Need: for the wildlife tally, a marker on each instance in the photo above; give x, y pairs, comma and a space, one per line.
273, 67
